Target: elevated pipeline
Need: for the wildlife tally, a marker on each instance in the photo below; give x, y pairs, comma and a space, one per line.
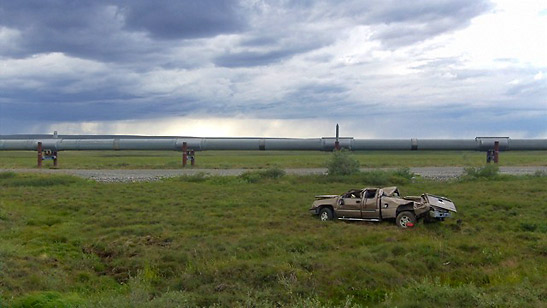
67, 143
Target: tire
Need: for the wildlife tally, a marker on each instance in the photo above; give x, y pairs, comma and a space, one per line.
325, 214
405, 218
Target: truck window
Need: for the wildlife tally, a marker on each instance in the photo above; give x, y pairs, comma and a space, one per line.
354, 194
370, 194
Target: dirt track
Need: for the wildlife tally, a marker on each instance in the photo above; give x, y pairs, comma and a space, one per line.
137, 175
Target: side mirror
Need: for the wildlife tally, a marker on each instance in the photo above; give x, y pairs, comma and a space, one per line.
341, 202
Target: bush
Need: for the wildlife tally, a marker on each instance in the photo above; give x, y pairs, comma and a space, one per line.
272, 173
341, 163
250, 176
404, 173
486, 172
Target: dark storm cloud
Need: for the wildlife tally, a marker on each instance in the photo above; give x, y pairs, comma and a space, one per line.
121, 31
184, 19
128, 31
82, 29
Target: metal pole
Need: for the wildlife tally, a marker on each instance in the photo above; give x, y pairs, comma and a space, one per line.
55, 158
337, 142
39, 149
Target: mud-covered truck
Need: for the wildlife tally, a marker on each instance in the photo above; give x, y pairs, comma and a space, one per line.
377, 204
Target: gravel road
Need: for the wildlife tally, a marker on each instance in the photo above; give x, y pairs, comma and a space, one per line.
139, 175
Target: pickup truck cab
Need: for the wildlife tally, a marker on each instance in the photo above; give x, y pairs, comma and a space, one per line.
377, 204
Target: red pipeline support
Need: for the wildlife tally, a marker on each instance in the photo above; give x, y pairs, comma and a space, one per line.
39, 149
496, 151
184, 154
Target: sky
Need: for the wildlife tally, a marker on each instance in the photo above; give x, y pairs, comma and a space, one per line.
280, 68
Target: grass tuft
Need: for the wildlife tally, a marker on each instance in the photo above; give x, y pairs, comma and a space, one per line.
272, 173
7, 175
30, 180
195, 178
48, 299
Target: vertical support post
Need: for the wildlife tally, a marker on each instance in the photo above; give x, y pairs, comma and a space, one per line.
39, 149
193, 159
184, 154
496, 151
337, 142
55, 158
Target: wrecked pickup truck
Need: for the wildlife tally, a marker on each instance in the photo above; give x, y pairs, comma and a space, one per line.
377, 204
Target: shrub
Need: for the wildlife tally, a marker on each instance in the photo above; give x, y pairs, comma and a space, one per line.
404, 173
486, 172
250, 176
272, 173
341, 163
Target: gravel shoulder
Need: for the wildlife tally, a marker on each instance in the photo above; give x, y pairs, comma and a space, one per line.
140, 175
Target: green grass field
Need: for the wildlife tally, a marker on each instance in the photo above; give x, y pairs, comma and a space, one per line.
256, 159
230, 241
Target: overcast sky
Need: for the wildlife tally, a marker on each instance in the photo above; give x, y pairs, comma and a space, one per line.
380, 68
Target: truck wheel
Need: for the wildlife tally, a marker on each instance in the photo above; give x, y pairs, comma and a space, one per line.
325, 214
405, 219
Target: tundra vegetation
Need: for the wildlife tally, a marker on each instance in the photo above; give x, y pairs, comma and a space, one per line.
267, 159
342, 163
249, 241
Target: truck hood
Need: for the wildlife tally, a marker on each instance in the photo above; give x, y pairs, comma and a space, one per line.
441, 202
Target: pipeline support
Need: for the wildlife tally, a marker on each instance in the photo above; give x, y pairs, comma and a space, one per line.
39, 149
187, 154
